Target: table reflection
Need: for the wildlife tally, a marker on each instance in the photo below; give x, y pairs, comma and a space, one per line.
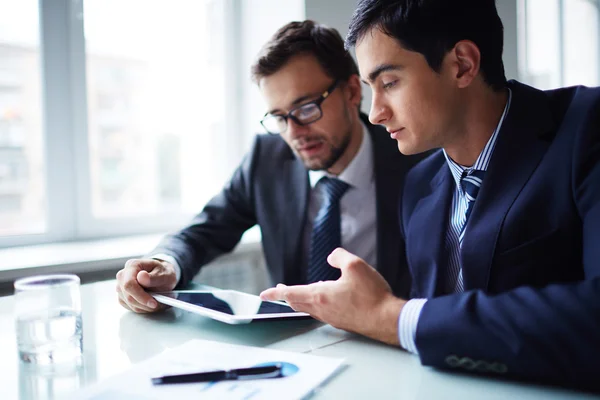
51, 382
131, 327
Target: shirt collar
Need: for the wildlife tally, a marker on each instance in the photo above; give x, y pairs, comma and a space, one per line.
483, 160
359, 172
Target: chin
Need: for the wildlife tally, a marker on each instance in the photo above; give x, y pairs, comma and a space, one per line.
406, 148
319, 163
314, 164
409, 149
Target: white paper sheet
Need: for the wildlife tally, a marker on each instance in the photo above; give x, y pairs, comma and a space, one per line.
204, 355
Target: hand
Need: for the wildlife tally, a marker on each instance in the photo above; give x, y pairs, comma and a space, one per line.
359, 301
140, 274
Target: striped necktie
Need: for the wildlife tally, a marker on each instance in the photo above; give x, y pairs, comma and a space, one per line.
326, 231
470, 183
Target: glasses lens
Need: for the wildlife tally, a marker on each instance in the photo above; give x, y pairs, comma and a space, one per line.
274, 123
307, 113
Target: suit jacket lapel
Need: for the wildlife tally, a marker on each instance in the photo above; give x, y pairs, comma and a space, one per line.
516, 156
390, 169
426, 244
293, 220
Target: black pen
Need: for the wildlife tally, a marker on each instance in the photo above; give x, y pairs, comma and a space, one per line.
271, 371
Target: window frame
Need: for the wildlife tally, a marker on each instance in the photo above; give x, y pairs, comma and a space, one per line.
524, 40
68, 208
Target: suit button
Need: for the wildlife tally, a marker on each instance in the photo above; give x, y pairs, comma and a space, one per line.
453, 361
499, 368
467, 364
482, 366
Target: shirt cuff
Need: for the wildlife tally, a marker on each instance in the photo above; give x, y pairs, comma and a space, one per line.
171, 260
407, 324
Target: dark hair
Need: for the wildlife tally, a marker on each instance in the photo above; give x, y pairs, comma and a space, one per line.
296, 38
433, 27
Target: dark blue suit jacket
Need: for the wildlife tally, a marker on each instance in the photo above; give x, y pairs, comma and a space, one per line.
531, 252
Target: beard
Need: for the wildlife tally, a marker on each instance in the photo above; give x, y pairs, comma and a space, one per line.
332, 153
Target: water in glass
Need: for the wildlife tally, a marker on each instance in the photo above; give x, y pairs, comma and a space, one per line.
50, 336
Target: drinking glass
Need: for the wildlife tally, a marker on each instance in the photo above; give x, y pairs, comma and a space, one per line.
48, 319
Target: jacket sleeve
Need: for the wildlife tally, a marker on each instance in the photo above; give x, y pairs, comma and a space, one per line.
549, 334
220, 225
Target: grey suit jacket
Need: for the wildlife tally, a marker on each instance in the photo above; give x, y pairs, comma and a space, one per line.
271, 188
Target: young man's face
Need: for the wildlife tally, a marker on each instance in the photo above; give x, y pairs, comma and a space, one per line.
325, 143
417, 106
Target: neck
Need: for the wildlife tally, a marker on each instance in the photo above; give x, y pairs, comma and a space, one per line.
480, 118
356, 137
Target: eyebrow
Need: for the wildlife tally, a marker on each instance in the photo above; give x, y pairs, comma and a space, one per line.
296, 102
380, 69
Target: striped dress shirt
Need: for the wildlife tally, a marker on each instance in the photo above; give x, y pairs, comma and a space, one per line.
409, 317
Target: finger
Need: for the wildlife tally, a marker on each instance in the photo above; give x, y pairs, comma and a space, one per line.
132, 304
301, 294
132, 308
124, 303
301, 307
145, 280
272, 294
124, 287
158, 279
135, 295
300, 298
342, 259
147, 264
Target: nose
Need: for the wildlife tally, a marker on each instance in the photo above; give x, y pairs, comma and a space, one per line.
380, 112
294, 130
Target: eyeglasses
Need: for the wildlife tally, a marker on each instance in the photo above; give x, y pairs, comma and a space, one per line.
302, 115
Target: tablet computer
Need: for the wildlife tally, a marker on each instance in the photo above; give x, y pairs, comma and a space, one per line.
229, 306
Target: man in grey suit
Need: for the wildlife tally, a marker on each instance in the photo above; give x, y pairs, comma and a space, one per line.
322, 178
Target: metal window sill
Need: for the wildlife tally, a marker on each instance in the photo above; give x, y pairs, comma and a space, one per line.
88, 258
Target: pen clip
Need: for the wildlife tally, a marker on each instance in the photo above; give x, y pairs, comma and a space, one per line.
265, 375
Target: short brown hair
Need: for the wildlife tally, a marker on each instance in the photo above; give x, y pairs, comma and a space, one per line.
305, 37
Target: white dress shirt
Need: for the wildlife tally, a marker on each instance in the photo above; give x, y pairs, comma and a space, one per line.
409, 316
357, 207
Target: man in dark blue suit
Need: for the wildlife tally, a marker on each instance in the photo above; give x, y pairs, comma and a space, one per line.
501, 226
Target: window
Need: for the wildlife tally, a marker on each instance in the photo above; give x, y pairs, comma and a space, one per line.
142, 108
155, 103
22, 183
559, 43
261, 20
580, 42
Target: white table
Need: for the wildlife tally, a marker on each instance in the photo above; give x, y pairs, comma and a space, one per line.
115, 339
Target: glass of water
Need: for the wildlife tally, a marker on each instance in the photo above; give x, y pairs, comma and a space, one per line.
48, 319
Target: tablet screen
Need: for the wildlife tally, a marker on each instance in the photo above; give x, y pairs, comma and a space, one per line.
232, 303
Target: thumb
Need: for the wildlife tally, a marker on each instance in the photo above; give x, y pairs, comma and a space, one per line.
153, 279
340, 258
142, 264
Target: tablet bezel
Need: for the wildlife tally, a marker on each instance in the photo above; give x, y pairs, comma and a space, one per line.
163, 297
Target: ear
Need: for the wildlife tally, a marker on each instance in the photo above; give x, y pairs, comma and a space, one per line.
353, 90
466, 60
